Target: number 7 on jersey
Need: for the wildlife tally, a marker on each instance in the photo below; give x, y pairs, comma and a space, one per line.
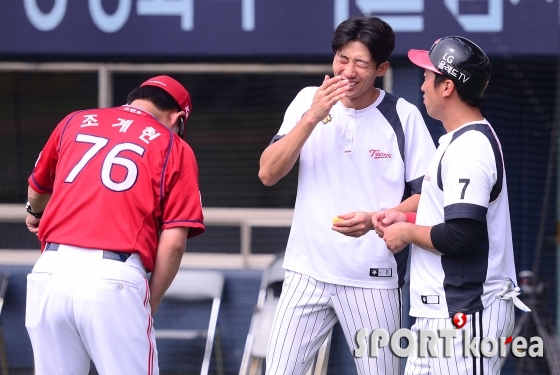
466, 182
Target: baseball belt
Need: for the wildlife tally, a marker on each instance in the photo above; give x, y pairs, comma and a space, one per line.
107, 254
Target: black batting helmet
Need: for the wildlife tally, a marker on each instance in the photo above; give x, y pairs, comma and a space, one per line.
459, 59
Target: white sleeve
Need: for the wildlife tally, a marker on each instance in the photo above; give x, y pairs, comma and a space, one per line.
468, 174
418, 146
296, 110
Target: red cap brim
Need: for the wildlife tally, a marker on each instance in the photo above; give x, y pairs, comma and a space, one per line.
422, 59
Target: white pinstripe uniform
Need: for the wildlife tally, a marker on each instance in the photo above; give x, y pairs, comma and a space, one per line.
359, 160
466, 179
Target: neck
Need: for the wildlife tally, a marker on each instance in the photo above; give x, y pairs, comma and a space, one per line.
457, 118
149, 107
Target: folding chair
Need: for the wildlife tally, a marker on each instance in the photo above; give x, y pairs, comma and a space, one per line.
261, 325
198, 286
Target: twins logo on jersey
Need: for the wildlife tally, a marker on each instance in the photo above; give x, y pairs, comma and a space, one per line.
378, 154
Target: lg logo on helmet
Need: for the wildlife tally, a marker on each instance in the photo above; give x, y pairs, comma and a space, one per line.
446, 64
449, 58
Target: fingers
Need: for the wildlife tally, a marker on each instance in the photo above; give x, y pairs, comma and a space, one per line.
328, 82
325, 83
32, 224
349, 225
351, 231
389, 219
346, 219
338, 90
378, 223
331, 90
334, 88
376, 218
393, 237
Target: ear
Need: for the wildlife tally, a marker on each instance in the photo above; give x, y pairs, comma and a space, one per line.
174, 123
382, 68
174, 117
448, 88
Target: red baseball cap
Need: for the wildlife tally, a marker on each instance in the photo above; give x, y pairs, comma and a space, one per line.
173, 88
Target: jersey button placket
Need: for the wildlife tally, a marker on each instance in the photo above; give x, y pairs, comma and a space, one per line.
349, 128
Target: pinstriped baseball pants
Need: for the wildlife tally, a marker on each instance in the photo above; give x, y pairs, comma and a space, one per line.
307, 311
497, 320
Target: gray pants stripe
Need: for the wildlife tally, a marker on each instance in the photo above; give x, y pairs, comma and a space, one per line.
495, 321
307, 311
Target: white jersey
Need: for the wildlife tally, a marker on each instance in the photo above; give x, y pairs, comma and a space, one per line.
466, 179
355, 160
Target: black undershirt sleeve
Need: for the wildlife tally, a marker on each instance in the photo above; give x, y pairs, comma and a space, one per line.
457, 236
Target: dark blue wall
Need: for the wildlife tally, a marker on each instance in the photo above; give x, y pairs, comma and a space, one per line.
274, 28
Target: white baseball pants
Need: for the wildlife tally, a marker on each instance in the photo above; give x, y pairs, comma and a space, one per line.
82, 306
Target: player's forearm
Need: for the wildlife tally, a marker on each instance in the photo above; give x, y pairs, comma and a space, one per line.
419, 236
171, 247
37, 200
279, 158
409, 205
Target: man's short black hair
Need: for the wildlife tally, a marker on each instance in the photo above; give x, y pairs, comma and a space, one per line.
468, 100
373, 32
159, 97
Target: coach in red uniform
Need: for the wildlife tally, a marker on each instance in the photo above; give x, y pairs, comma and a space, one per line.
123, 197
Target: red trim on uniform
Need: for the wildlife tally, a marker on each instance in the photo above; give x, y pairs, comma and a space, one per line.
410, 217
147, 297
151, 343
37, 187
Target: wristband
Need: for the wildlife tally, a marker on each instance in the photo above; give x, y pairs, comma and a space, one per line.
410, 217
36, 215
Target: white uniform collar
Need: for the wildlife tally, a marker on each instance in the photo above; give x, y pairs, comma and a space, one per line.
450, 134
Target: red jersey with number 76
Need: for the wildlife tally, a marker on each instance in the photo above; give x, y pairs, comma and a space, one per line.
117, 177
